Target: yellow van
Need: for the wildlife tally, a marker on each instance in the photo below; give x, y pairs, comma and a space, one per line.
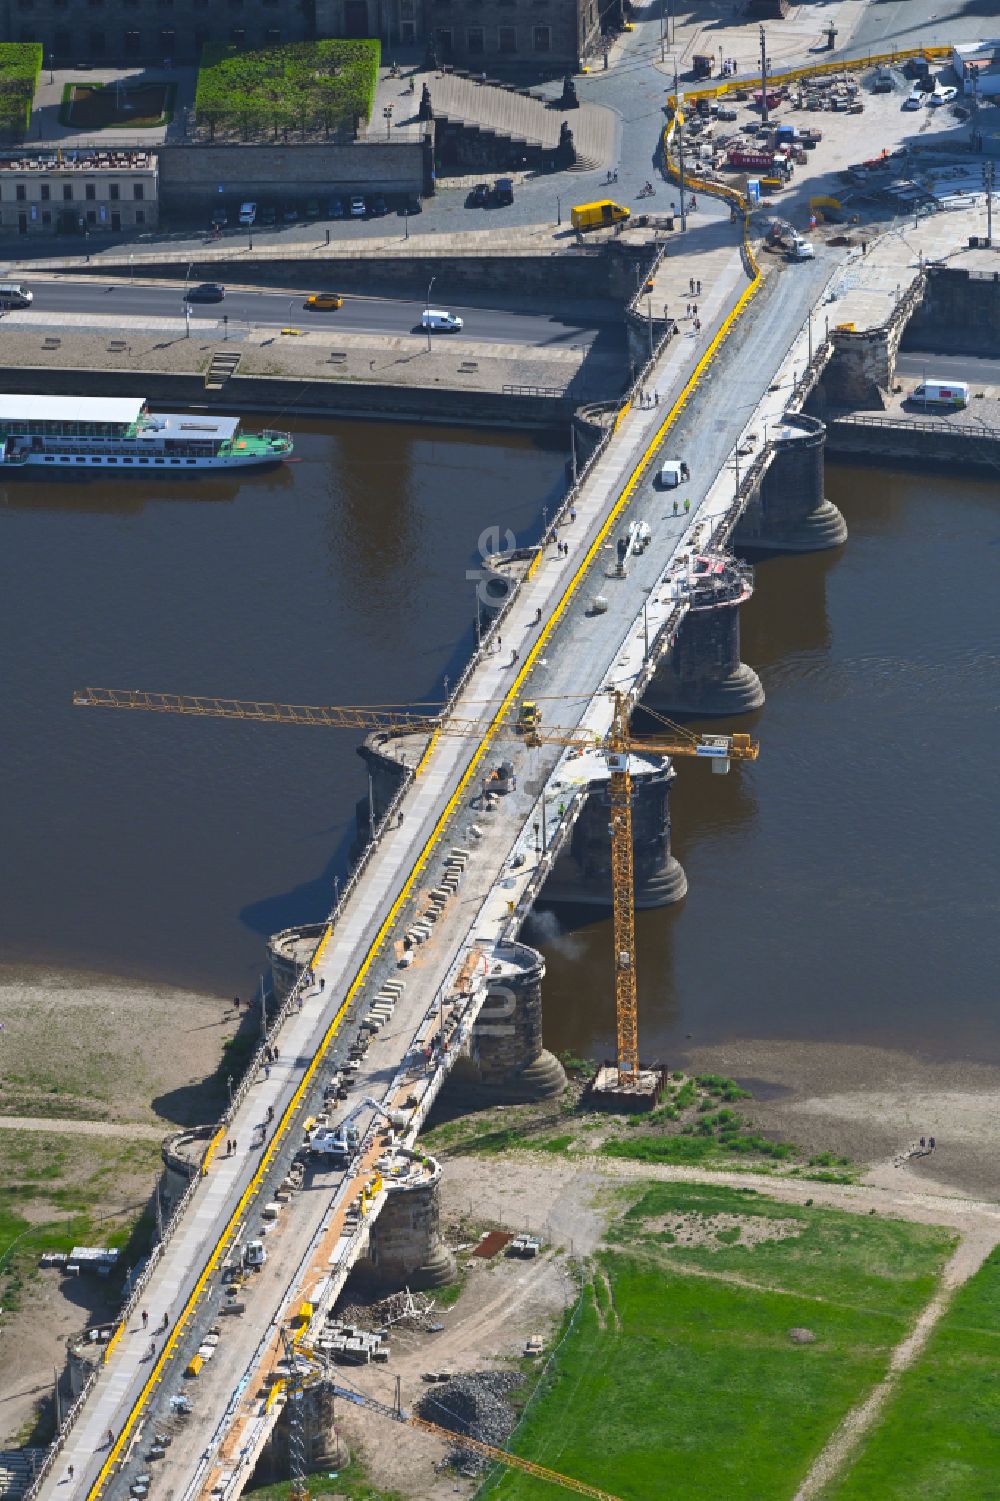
595, 215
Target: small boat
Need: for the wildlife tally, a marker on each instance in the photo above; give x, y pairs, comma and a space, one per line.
77, 434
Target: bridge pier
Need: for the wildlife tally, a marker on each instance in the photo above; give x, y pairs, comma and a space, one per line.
789, 512
507, 1063
581, 874
703, 674
405, 1247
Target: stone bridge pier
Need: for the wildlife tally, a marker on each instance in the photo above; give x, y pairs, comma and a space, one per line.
581, 874
507, 1063
702, 673
405, 1247
789, 512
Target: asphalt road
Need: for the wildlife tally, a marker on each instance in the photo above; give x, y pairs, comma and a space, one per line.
381, 315
914, 363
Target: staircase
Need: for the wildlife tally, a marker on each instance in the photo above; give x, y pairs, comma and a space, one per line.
523, 120
17, 1469
224, 365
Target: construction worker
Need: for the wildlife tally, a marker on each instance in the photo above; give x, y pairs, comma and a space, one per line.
687, 506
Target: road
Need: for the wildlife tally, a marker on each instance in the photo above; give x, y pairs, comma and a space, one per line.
915, 364
377, 315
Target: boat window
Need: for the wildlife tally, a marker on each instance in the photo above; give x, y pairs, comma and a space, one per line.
143, 461
175, 461
128, 461
49, 459
191, 461
81, 461
64, 461
112, 461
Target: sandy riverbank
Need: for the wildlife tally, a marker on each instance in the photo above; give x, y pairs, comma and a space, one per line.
872, 1105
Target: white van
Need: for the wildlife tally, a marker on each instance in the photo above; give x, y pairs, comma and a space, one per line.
436, 320
248, 214
12, 294
672, 474
941, 393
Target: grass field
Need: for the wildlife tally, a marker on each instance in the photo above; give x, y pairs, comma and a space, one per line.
347, 1484
939, 1438
304, 86
681, 1377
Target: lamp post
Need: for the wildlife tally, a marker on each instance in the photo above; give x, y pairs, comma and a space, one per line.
430, 288
558, 210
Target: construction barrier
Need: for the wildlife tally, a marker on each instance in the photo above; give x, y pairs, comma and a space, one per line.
113, 1341
811, 70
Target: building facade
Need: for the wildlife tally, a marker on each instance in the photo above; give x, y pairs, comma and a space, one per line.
490, 35
100, 191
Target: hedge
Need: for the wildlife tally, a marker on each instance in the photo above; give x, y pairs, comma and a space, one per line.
307, 86
20, 65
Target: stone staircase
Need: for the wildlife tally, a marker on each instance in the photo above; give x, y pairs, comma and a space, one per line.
17, 1469
519, 118
224, 364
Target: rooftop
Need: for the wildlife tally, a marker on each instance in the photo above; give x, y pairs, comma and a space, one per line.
81, 161
119, 409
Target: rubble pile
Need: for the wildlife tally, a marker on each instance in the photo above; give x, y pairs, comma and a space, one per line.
476, 1405
406, 1309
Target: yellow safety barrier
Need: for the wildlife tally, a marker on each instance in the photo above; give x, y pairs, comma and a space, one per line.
277, 1390
508, 702
211, 1149
622, 414
432, 742
811, 70
112, 1342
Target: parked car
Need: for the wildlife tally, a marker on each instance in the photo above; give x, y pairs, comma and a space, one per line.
943, 96
479, 196
248, 214
914, 99
725, 114
290, 214
503, 191
357, 208
335, 208
378, 205
312, 208
269, 217
220, 218
206, 291
324, 302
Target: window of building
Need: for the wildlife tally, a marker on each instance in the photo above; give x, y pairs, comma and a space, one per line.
445, 40
238, 37
407, 33
67, 192
97, 43
46, 192
168, 39
20, 192
133, 44
272, 38
507, 39
62, 43
138, 192
46, 216
475, 41
92, 216
406, 10
200, 38
90, 191
140, 216
114, 191
543, 39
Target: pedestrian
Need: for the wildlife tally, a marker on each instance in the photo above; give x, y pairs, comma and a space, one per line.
145, 1319
572, 513
70, 1472
229, 1149
111, 1438
691, 286
697, 287
687, 311
267, 1071
555, 538
514, 656
166, 1318
922, 1142
322, 984
932, 1143
687, 506
656, 398
236, 1002
694, 309
697, 325
499, 644
675, 508
864, 247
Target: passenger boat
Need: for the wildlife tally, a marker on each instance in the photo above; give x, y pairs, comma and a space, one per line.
74, 434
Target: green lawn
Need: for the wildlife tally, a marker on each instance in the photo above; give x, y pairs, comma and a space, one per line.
20, 65
939, 1438
302, 87
680, 1384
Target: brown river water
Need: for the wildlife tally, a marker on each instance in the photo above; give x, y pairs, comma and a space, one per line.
844, 887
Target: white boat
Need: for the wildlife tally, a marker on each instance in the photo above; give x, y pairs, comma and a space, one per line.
76, 434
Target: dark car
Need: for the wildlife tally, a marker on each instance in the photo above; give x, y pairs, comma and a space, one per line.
503, 191
206, 291
269, 217
290, 214
378, 205
479, 196
335, 208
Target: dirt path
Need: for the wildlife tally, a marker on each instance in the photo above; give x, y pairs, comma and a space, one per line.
133, 1130
967, 1259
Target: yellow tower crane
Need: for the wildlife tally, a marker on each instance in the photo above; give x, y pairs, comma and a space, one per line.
618, 745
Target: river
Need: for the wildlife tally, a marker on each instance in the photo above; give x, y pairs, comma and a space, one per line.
842, 888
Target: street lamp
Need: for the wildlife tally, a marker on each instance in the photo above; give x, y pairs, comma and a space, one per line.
229, 1085
387, 117
558, 210
430, 287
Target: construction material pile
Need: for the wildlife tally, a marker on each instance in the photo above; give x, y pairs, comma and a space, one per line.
410, 1310
476, 1405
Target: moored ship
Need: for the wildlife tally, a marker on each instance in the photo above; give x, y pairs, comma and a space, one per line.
74, 434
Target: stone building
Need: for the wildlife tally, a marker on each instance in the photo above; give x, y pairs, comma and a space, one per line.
97, 190
494, 35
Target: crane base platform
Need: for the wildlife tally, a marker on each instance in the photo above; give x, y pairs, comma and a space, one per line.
643, 1091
